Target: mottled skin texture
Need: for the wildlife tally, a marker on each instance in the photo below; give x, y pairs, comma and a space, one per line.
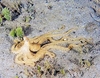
30, 50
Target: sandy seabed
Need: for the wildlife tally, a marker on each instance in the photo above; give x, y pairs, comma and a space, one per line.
47, 15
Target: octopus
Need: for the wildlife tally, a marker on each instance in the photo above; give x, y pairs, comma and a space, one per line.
30, 50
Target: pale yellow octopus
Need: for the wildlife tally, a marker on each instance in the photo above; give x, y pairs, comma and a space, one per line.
30, 50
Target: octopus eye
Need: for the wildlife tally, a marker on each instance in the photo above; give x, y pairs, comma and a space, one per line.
34, 52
